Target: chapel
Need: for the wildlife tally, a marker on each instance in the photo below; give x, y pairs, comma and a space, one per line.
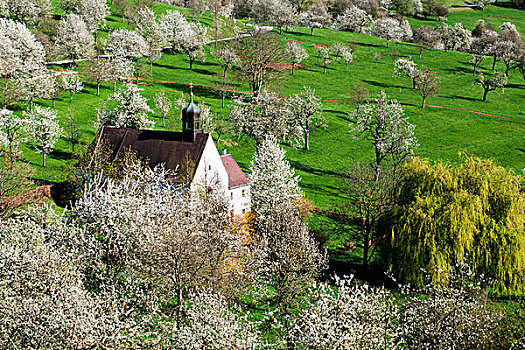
191, 153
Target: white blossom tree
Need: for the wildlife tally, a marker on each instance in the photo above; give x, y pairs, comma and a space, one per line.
229, 59
458, 38
39, 83
316, 16
290, 260
213, 323
454, 314
41, 288
349, 316
406, 67
347, 56
306, 109
273, 181
385, 125
191, 41
353, 19
131, 110
277, 13
73, 38
153, 33
163, 105
72, 84
21, 54
126, 44
27, 11
295, 53
508, 52
324, 56
387, 28
94, 13
173, 24
121, 69
267, 114
43, 130
497, 81
10, 134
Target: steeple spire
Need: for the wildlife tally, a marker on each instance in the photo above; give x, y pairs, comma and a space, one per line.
191, 119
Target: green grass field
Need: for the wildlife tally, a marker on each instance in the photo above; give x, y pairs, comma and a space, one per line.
443, 133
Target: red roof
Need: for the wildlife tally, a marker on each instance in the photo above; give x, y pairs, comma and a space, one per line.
236, 176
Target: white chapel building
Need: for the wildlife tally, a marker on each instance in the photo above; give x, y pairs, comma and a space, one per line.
191, 152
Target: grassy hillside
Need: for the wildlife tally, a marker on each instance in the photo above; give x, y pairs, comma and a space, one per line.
442, 132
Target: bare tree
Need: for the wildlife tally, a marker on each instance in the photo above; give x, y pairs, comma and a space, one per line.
260, 53
428, 84
369, 195
359, 95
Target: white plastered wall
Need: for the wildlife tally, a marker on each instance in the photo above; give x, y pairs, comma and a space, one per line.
210, 172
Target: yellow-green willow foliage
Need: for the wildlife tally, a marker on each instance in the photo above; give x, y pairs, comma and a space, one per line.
474, 211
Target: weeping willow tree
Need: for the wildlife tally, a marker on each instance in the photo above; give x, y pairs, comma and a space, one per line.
474, 212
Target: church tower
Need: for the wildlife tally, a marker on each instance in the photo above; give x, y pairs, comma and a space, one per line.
191, 120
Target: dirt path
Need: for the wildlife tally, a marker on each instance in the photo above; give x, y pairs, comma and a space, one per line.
475, 112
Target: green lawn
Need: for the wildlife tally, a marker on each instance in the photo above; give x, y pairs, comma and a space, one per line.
442, 133
495, 14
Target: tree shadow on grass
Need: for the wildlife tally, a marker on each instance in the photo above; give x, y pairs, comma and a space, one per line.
459, 70
383, 85
515, 86
61, 155
456, 97
311, 170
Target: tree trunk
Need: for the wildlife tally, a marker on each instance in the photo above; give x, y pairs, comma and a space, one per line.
366, 247
311, 31
485, 95
293, 67
54, 102
307, 140
44, 159
281, 30
507, 70
387, 43
115, 85
423, 105
324, 70
71, 97
191, 64
225, 69
414, 83
223, 96
31, 105
494, 63
151, 63
163, 121
98, 88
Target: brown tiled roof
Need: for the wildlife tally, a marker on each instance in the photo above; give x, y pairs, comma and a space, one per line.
158, 147
236, 176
